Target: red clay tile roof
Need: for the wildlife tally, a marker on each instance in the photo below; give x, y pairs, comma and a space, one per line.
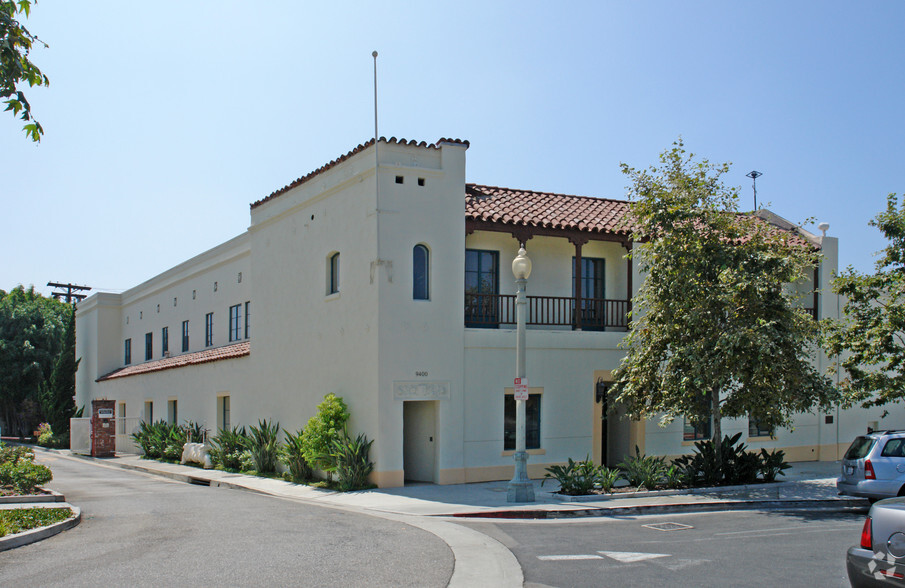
545, 209
361, 147
167, 363
528, 208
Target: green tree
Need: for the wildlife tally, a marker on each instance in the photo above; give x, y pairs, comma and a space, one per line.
57, 394
714, 331
322, 430
870, 336
31, 336
16, 69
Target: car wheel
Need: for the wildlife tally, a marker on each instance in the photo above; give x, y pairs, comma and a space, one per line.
872, 500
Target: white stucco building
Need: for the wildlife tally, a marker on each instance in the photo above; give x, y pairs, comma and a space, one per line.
399, 298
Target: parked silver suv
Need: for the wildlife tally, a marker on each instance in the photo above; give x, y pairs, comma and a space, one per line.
874, 466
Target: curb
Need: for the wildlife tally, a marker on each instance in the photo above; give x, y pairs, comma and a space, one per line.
703, 490
682, 507
41, 533
53, 496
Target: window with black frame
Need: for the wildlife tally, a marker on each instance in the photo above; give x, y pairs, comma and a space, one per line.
482, 286
697, 429
532, 422
593, 292
758, 429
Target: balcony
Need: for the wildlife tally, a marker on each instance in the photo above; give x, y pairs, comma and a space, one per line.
493, 310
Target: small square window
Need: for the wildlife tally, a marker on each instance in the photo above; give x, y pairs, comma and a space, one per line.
399, 179
420, 181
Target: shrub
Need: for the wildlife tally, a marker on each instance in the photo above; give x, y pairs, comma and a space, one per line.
773, 464
322, 429
263, 446
738, 466
293, 455
578, 478
24, 475
674, 477
350, 461
176, 438
227, 448
152, 438
13, 454
45, 436
643, 471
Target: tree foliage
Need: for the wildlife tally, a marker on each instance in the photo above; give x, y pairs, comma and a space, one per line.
31, 336
58, 393
714, 327
16, 69
327, 426
871, 332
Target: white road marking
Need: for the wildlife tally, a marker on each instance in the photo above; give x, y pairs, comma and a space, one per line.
631, 556
566, 557
820, 529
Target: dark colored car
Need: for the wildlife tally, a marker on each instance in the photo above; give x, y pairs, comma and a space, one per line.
874, 466
879, 560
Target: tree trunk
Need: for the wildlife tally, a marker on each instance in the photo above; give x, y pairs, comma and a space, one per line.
717, 429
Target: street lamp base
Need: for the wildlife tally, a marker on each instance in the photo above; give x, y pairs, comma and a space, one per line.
521, 488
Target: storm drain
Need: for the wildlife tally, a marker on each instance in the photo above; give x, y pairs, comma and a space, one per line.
199, 482
668, 526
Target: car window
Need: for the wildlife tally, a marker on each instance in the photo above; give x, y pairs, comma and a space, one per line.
894, 448
859, 448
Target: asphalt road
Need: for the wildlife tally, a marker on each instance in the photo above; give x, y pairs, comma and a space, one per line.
142, 530
742, 548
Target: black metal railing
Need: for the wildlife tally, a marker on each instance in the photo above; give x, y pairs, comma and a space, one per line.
493, 310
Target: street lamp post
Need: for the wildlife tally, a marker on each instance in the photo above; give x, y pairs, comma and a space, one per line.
520, 487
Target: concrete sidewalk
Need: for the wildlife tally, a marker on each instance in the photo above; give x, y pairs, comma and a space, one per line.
805, 484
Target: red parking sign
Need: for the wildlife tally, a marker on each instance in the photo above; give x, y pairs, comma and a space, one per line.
521, 388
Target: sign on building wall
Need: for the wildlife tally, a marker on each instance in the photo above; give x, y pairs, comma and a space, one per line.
420, 390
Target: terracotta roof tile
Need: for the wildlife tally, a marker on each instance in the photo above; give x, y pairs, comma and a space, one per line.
545, 209
196, 358
360, 148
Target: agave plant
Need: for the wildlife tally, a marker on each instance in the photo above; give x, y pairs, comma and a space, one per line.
227, 448
263, 446
293, 455
644, 471
350, 461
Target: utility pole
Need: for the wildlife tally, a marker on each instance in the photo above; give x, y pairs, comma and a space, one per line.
70, 293
754, 174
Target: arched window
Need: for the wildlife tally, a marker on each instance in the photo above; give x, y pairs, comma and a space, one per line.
420, 273
333, 274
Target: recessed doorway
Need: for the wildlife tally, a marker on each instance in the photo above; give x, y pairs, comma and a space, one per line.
419, 435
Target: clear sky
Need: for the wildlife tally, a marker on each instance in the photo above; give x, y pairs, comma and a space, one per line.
163, 121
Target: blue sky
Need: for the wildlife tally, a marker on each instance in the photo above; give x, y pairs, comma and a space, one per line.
164, 121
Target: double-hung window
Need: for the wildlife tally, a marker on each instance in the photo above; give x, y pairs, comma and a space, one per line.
209, 329
482, 286
149, 346
185, 336
127, 351
164, 341
235, 322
